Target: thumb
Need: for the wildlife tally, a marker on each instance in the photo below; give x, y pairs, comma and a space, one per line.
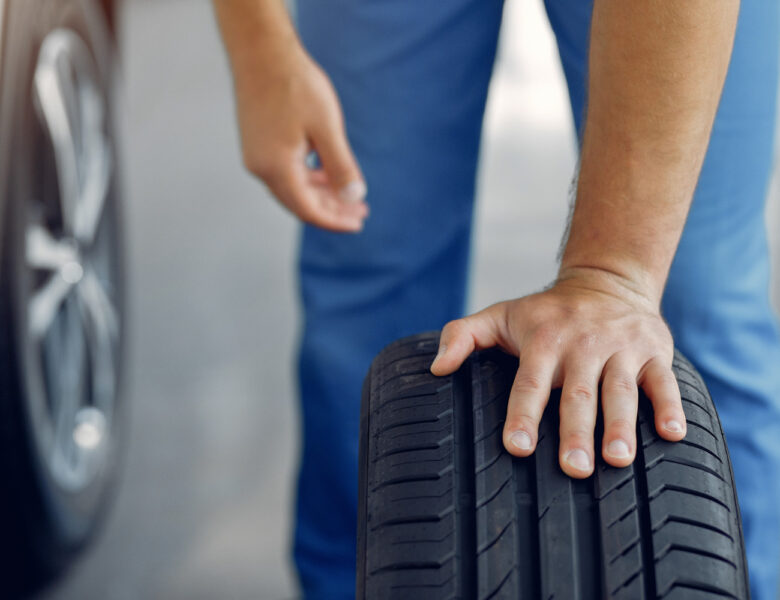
339, 163
461, 337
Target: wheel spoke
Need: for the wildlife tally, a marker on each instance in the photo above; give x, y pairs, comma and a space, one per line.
74, 113
70, 389
99, 307
89, 208
101, 325
96, 158
45, 303
45, 252
64, 423
53, 92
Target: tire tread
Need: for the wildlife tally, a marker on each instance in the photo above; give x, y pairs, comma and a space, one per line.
448, 513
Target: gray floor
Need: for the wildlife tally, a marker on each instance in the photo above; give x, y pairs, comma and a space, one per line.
204, 508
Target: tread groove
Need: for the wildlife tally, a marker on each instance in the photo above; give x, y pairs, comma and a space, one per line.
436, 419
494, 493
494, 541
410, 520
407, 479
535, 560
625, 551
407, 566
688, 463
494, 593
487, 434
691, 401
695, 585
703, 428
466, 496
489, 463
420, 447
689, 491
622, 516
401, 397
693, 522
696, 551
684, 442
645, 520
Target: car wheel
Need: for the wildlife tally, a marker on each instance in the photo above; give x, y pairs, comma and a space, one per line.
446, 512
61, 307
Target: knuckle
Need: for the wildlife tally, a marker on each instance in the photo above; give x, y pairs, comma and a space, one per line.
620, 425
524, 421
577, 437
580, 393
455, 328
663, 342
622, 384
528, 383
586, 341
309, 216
303, 210
578, 306
546, 338
259, 165
340, 173
662, 355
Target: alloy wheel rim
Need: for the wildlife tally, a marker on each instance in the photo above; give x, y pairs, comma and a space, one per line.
72, 324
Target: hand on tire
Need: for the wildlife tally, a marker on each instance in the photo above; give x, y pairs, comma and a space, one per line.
287, 108
583, 331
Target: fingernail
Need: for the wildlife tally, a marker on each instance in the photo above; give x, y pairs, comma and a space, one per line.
353, 192
618, 449
578, 459
521, 440
673, 426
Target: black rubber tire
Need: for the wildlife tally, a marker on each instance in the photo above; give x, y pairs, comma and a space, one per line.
446, 512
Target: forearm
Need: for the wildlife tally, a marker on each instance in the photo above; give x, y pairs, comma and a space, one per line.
255, 32
656, 73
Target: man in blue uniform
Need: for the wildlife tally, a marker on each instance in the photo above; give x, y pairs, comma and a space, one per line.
672, 124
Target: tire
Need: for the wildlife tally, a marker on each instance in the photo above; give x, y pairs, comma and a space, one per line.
61, 410
446, 512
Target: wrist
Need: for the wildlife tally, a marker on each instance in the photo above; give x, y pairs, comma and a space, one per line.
626, 282
623, 254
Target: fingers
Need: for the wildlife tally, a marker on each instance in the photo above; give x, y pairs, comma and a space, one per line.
619, 399
659, 383
461, 337
527, 400
579, 360
311, 197
578, 417
344, 176
291, 112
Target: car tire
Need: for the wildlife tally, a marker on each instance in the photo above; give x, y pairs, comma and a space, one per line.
446, 512
61, 286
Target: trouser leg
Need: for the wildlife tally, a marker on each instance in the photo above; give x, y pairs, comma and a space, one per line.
413, 80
